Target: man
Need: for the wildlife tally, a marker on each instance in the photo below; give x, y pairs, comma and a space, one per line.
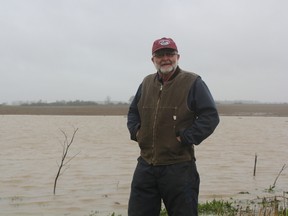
171, 112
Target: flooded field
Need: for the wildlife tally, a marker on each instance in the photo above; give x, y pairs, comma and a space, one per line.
97, 181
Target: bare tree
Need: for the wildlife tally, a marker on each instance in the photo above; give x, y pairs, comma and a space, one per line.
108, 100
66, 145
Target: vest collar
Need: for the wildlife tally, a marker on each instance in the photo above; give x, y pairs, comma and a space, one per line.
171, 77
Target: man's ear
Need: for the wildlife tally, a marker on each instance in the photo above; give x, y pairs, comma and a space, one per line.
152, 59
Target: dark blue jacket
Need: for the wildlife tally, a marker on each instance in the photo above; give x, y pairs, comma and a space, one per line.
199, 100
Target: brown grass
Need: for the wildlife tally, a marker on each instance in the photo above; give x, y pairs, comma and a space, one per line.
280, 110
65, 110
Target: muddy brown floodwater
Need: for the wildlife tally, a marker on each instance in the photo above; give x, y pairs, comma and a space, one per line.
98, 179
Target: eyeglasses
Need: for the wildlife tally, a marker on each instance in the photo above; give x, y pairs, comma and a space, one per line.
162, 54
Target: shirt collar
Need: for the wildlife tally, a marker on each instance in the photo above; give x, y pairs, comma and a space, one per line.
168, 78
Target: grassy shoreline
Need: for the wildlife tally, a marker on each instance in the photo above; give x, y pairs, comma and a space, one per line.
265, 206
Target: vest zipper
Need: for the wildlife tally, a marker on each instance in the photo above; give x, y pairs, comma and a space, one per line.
154, 124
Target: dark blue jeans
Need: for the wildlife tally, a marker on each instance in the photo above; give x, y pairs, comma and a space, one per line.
177, 185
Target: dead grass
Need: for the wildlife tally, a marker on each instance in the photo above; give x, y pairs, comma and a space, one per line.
65, 110
280, 110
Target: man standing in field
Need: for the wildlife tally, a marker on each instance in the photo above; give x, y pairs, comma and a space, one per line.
172, 111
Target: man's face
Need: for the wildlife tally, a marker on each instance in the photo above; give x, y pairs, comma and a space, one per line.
165, 60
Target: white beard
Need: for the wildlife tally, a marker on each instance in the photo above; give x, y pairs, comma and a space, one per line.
165, 69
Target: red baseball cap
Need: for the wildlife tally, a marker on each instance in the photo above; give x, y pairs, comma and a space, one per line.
164, 43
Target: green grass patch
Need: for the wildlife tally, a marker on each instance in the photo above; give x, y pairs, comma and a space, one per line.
265, 206
217, 207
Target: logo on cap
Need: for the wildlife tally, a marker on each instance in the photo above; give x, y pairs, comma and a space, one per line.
164, 42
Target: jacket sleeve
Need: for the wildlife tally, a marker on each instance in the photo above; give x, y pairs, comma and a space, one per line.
202, 103
133, 117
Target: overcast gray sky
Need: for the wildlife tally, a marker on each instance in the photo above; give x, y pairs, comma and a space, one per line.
93, 49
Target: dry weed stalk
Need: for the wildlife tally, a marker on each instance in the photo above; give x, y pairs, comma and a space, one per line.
282, 169
66, 146
255, 164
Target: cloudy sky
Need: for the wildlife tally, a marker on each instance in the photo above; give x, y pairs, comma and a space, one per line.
94, 49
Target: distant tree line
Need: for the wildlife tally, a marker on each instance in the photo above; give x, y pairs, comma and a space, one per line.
70, 103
